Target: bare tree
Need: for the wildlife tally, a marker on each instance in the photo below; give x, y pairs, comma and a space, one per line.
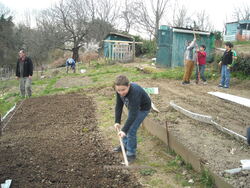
104, 13
32, 40
180, 16
67, 24
107, 10
149, 18
202, 21
127, 15
5, 11
241, 12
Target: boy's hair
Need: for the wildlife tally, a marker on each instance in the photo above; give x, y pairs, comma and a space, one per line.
203, 46
229, 44
22, 51
121, 80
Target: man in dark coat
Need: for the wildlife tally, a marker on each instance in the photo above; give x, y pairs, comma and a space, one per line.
24, 72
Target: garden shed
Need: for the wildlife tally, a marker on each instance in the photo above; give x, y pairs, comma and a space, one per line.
119, 47
172, 42
237, 31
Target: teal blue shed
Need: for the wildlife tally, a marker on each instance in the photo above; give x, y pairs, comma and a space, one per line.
172, 42
118, 46
237, 31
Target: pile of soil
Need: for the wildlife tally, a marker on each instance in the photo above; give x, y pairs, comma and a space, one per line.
54, 141
217, 150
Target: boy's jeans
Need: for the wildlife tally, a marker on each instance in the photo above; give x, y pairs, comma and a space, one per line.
130, 141
202, 71
225, 76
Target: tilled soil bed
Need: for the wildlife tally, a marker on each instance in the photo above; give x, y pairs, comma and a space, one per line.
53, 141
218, 151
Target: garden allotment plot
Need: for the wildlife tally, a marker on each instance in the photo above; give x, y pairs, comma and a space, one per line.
54, 141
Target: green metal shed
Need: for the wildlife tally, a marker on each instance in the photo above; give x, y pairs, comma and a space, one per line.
172, 42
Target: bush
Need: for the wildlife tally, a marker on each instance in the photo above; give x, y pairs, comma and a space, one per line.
242, 64
147, 48
241, 68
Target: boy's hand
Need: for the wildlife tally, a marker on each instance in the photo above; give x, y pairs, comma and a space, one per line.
117, 126
121, 134
220, 63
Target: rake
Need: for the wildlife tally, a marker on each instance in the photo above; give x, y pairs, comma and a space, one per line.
126, 163
123, 148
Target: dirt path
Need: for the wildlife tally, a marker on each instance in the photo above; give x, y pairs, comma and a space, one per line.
196, 99
53, 141
219, 151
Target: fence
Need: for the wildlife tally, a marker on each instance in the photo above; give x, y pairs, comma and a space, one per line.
6, 73
121, 52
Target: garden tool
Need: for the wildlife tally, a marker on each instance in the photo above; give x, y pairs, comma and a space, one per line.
197, 64
127, 166
123, 149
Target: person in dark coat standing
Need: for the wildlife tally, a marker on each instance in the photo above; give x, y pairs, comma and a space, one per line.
226, 63
24, 72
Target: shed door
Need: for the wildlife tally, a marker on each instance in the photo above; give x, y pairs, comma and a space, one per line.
164, 48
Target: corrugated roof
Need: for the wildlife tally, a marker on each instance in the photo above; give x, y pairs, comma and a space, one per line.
189, 29
121, 35
244, 21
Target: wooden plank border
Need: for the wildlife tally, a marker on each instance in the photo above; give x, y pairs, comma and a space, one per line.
188, 156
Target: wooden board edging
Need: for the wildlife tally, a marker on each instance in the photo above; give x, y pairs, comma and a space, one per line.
188, 156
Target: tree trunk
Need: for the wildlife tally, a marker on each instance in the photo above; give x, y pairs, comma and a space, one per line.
75, 54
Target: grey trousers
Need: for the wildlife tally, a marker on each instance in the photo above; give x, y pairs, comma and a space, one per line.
25, 87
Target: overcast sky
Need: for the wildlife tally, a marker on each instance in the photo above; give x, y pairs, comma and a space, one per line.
220, 11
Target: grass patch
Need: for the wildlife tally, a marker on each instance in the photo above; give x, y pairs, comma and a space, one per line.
147, 172
206, 179
8, 83
156, 182
8, 101
105, 109
171, 73
240, 75
241, 42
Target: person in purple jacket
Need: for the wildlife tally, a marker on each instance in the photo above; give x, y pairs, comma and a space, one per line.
138, 103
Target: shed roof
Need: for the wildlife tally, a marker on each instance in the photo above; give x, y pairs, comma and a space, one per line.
232, 22
244, 21
240, 22
121, 35
187, 30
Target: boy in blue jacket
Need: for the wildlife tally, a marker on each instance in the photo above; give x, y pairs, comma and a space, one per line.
70, 63
139, 104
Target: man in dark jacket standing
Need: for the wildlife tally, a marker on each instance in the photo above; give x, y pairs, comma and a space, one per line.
24, 72
139, 104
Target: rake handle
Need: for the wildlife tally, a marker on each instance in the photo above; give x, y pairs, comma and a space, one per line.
123, 149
